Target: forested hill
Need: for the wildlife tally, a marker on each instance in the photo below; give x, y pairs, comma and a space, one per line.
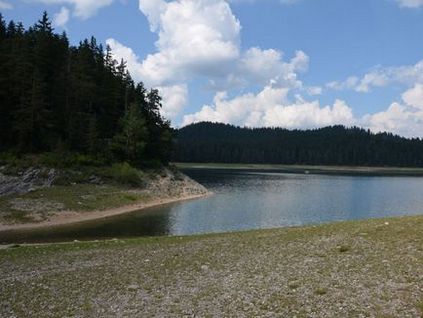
336, 145
59, 98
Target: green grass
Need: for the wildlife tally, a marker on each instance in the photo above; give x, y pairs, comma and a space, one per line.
124, 174
79, 197
86, 197
73, 188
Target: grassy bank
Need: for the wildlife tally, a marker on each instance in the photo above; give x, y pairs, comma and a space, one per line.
336, 170
368, 268
41, 194
83, 188
40, 205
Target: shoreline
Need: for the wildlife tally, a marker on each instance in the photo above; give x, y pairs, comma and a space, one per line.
73, 217
307, 169
303, 271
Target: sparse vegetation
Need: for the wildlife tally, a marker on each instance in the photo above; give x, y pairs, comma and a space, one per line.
344, 248
278, 273
37, 205
125, 174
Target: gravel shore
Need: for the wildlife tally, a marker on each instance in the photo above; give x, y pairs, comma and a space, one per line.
368, 268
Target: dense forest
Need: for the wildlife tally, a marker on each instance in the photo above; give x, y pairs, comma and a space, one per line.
337, 145
55, 97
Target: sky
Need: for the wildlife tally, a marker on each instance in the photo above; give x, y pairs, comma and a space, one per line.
279, 63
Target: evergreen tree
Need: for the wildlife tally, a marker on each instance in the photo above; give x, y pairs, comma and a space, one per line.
129, 143
57, 97
336, 145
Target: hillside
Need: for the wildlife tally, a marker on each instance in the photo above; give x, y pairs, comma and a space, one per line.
65, 99
336, 145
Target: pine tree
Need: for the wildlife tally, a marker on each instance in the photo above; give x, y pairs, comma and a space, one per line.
130, 142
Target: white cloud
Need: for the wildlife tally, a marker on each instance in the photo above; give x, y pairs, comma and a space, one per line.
82, 8
266, 66
404, 118
120, 51
350, 83
5, 5
175, 97
414, 96
410, 3
382, 76
314, 90
200, 39
61, 18
271, 107
196, 38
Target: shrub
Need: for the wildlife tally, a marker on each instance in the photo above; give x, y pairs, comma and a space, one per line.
126, 174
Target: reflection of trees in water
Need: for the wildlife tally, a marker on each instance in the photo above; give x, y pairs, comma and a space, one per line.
130, 225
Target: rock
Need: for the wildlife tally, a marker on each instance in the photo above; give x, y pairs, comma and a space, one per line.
26, 181
94, 180
133, 287
204, 268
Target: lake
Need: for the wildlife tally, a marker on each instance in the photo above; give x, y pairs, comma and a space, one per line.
244, 200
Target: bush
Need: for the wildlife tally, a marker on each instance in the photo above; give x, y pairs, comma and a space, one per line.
126, 174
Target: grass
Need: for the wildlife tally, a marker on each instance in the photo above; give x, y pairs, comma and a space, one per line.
282, 272
316, 169
123, 173
86, 197
79, 197
73, 188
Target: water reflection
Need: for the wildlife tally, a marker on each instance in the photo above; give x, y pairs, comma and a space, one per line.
249, 200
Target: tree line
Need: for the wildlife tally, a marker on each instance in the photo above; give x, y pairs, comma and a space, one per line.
55, 97
336, 145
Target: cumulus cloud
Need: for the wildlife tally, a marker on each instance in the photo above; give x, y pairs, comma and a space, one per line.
174, 97
414, 96
5, 5
200, 39
82, 8
404, 118
196, 38
410, 3
61, 18
271, 107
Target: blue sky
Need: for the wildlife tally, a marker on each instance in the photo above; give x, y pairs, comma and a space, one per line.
294, 64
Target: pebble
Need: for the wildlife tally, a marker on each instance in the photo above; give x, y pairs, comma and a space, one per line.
133, 287
204, 267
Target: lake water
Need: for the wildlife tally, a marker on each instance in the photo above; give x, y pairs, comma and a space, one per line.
244, 200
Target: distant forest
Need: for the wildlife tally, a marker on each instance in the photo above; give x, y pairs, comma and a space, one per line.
337, 145
55, 97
